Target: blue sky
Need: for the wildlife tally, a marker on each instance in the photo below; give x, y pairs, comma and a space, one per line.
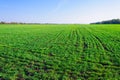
58, 11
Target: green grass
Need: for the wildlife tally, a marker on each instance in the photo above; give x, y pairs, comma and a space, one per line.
59, 52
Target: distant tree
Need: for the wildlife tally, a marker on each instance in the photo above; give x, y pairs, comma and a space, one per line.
2, 22
113, 21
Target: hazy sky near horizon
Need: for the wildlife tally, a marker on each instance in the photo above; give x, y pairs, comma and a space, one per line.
58, 11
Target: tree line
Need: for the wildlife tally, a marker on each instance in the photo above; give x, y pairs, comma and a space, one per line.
2, 22
113, 21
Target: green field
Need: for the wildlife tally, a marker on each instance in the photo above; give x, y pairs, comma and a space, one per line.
59, 52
